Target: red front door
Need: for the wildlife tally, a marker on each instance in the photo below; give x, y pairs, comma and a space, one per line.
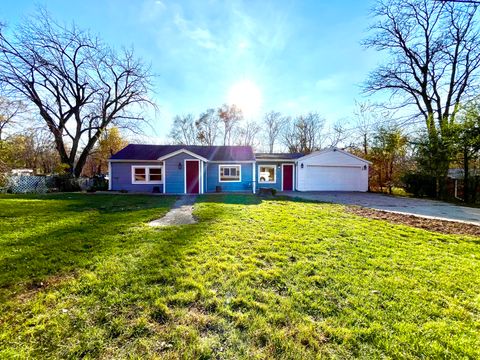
192, 172
287, 177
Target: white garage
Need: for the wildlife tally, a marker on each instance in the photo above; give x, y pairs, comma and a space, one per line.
332, 170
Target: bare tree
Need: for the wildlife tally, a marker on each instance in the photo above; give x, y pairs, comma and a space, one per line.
274, 124
434, 47
303, 134
9, 111
247, 135
230, 116
365, 116
183, 130
78, 85
207, 127
338, 134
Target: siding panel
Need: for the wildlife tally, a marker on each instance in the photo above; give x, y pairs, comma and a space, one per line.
212, 179
121, 177
175, 176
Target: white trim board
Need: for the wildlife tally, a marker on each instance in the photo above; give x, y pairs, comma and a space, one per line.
274, 166
147, 174
230, 165
315, 153
181, 151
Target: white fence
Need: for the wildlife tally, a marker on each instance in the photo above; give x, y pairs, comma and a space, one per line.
28, 184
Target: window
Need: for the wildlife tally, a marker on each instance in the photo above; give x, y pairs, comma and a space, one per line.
147, 174
230, 173
140, 174
267, 174
155, 174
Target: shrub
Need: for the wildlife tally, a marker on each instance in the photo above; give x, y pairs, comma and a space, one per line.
66, 183
267, 192
99, 184
419, 184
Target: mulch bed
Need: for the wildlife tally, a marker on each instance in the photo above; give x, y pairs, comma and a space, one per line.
441, 226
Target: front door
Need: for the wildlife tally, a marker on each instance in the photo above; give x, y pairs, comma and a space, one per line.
287, 177
192, 172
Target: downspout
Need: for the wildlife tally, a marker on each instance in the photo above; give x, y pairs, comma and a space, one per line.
164, 175
205, 175
109, 175
254, 177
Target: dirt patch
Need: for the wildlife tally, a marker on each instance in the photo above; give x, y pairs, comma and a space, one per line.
34, 287
441, 226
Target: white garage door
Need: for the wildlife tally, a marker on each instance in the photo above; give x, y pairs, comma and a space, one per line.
333, 178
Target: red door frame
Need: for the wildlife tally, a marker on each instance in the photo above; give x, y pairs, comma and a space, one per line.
189, 187
283, 177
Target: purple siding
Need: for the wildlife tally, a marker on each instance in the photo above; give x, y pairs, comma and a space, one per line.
121, 177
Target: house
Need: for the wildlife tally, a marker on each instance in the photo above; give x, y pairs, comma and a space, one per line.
180, 169
22, 172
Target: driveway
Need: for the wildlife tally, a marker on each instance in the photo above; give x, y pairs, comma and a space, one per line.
419, 207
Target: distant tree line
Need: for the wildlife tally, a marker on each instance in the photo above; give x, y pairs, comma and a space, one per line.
226, 126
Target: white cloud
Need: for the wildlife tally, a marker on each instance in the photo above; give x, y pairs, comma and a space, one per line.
151, 10
201, 36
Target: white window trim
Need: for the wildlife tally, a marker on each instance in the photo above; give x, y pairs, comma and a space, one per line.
147, 174
230, 165
274, 174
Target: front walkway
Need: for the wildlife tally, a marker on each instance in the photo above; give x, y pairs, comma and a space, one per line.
420, 207
179, 214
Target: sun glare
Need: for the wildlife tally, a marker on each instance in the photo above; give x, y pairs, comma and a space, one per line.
247, 96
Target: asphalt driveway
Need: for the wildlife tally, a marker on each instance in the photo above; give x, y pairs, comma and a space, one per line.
420, 207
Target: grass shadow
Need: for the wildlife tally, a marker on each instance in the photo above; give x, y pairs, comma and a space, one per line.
39, 239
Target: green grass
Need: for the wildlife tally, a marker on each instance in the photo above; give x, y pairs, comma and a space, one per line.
83, 276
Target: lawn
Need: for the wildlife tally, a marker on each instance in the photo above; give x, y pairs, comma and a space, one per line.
83, 276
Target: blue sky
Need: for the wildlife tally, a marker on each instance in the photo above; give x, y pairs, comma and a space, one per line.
300, 56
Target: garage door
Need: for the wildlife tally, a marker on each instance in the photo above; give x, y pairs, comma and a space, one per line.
333, 178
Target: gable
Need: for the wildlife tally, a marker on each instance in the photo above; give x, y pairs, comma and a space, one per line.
333, 156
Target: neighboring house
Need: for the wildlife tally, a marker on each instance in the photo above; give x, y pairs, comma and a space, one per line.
179, 169
22, 172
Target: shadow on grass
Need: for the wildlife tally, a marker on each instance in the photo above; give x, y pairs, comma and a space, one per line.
55, 234
39, 239
236, 199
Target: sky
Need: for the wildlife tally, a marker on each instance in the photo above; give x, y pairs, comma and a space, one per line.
289, 56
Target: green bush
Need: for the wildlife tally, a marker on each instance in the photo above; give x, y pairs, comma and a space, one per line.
99, 184
419, 184
66, 183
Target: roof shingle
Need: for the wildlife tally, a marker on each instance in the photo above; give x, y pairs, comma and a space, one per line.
278, 156
211, 153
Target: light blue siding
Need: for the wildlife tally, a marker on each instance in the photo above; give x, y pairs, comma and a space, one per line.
212, 180
176, 177
121, 177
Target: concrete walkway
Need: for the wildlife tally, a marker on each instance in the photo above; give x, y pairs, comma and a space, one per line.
420, 207
179, 214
